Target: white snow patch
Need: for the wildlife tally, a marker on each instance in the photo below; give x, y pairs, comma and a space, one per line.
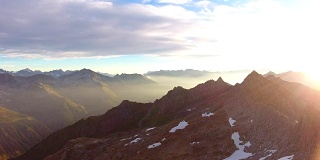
232, 121
136, 135
193, 143
297, 121
149, 129
163, 139
251, 121
154, 145
286, 158
188, 110
269, 155
207, 114
181, 125
136, 140
240, 153
125, 139
148, 134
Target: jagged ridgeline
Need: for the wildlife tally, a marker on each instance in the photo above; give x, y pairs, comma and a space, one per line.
261, 118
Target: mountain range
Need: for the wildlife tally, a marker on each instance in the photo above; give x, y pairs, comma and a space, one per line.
54, 103
178, 73
28, 72
186, 78
33, 106
299, 77
261, 118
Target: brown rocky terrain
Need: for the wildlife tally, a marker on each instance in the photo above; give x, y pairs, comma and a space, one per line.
261, 118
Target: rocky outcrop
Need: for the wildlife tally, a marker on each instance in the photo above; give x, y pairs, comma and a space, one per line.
210, 140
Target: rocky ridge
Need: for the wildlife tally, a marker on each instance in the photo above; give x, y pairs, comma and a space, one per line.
258, 119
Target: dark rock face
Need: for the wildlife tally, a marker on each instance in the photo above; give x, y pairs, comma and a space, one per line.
273, 119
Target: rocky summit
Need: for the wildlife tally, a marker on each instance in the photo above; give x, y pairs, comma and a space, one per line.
259, 119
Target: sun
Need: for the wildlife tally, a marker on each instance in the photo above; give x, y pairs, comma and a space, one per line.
314, 76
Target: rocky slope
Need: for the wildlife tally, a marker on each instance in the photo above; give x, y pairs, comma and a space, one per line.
261, 118
19, 132
123, 118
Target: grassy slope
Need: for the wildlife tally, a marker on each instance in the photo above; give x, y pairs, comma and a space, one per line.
18, 132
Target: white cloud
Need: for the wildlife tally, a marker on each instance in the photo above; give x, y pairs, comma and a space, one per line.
92, 28
146, 1
261, 33
100, 4
255, 33
175, 1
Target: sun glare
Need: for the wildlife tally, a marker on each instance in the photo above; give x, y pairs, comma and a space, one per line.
314, 76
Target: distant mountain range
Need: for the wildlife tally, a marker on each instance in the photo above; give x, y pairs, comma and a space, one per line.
59, 72
54, 73
169, 75
261, 118
33, 106
179, 73
28, 72
298, 77
55, 103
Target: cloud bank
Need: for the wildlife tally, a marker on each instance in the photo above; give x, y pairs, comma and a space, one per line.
68, 28
95, 28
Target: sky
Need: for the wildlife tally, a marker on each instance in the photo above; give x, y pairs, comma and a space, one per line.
120, 36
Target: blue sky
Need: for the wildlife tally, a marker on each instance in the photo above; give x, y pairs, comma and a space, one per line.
118, 36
